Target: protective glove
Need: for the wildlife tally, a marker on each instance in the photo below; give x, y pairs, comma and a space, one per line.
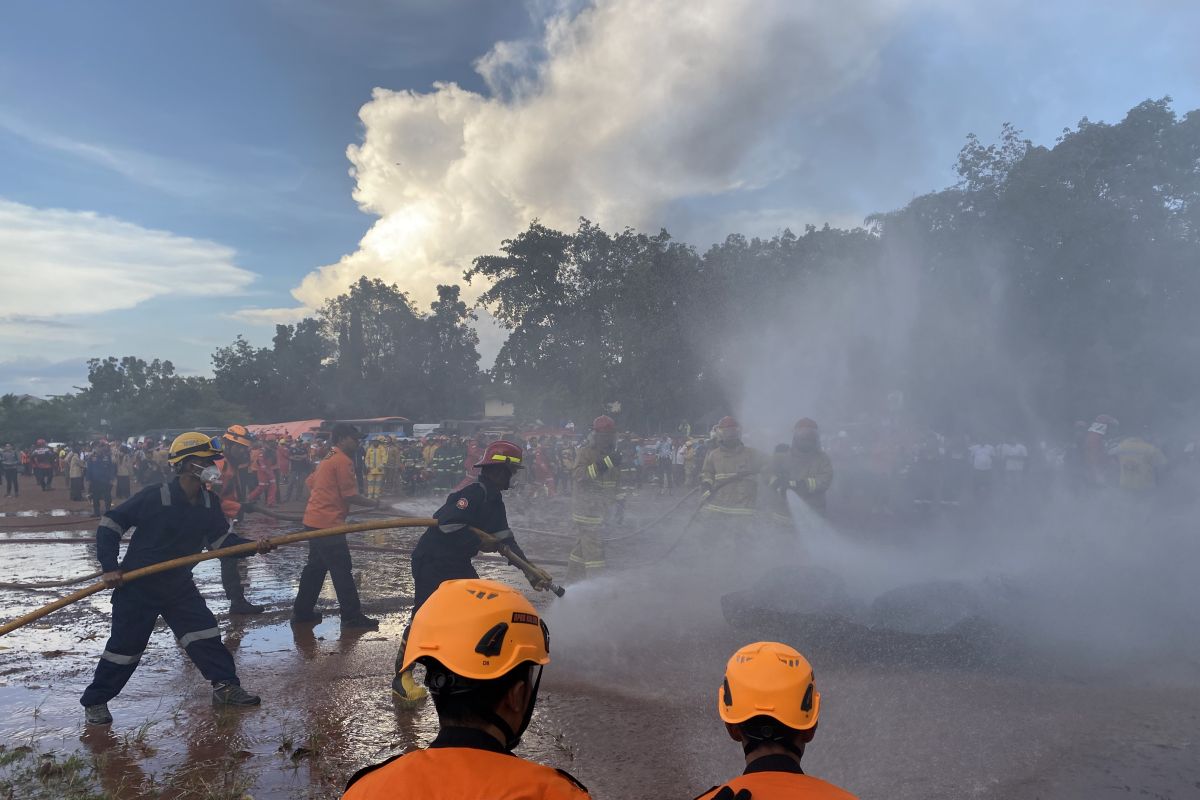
540, 583
727, 794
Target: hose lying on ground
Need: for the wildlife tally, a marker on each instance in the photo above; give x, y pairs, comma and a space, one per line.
51, 584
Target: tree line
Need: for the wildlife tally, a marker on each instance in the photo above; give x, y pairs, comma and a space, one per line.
1048, 283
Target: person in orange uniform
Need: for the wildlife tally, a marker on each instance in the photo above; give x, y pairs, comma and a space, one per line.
236, 500
334, 490
483, 646
770, 704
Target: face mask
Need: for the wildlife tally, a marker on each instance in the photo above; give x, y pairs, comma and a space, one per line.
210, 474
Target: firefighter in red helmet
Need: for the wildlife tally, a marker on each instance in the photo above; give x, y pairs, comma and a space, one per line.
596, 478
444, 551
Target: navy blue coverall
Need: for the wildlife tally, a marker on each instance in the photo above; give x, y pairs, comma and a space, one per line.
167, 525
442, 555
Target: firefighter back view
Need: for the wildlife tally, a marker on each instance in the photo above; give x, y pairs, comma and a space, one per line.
770, 704
483, 646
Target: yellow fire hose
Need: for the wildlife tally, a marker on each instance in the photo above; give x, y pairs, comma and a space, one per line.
537, 576
237, 549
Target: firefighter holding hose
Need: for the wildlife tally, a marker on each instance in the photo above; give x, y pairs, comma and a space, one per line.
444, 552
483, 646
170, 520
596, 492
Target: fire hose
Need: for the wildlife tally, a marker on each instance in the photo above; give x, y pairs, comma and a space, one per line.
538, 577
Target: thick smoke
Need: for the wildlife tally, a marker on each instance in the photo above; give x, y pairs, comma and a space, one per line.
616, 112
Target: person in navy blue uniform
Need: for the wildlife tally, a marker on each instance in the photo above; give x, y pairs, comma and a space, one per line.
444, 551
170, 520
100, 472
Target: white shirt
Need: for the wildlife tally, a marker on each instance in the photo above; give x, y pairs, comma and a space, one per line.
981, 456
1014, 456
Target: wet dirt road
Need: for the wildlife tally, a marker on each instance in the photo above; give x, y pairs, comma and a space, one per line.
627, 706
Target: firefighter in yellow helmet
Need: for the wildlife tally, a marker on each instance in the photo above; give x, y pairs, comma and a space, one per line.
483, 647
729, 477
770, 704
596, 480
802, 468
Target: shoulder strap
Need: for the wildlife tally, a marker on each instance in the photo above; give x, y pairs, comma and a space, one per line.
164, 492
574, 780
371, 768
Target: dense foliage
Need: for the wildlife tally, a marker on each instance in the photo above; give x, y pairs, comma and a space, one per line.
1048, 284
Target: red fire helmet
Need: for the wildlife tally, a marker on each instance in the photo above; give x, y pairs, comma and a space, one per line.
604, 424
502, 452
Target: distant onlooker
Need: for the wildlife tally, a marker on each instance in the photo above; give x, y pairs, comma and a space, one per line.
124, 465
100, 474
43, 459
75, 468
982, 456
10, 462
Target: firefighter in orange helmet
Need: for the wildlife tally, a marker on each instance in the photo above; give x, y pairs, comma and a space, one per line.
770, 704
483, 647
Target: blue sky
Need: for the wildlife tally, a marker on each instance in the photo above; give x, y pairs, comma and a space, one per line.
166, 166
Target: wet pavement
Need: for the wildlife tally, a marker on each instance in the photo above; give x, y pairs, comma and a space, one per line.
627, 705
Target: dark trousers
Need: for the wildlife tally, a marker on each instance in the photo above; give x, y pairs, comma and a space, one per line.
122, 487
428, 575
136, 608
10, 482
295, 487
44, 476
76, 486
100, 490
231, 579
331, 556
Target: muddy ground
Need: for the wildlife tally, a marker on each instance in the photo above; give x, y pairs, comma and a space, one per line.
627, 705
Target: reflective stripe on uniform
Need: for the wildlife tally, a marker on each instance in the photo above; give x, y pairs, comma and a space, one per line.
592, 471
574, 559
117, 658
580, 519
195, 636
164, 492
217, 544
111, 524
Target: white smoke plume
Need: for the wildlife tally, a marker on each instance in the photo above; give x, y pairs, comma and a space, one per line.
616, 112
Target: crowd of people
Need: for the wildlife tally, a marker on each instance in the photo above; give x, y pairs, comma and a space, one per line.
482, 644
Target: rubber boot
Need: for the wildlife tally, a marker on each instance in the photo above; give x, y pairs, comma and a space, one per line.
97, 714
231, 582
405, 690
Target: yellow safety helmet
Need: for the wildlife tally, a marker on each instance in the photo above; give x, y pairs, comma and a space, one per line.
477, 629
769, 679
194, 444
238, 434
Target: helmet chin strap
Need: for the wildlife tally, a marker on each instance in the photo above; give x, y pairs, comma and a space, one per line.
513, 738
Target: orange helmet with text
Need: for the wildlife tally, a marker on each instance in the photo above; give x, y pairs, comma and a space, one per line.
477, 629
237, 434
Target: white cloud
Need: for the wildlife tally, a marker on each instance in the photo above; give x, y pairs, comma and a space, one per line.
272, 316
617, 112
55, 262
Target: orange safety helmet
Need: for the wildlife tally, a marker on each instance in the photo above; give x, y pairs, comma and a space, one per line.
604, 424
238, 434
477, 629
728, 422
804, 423
502, 452
769, 679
